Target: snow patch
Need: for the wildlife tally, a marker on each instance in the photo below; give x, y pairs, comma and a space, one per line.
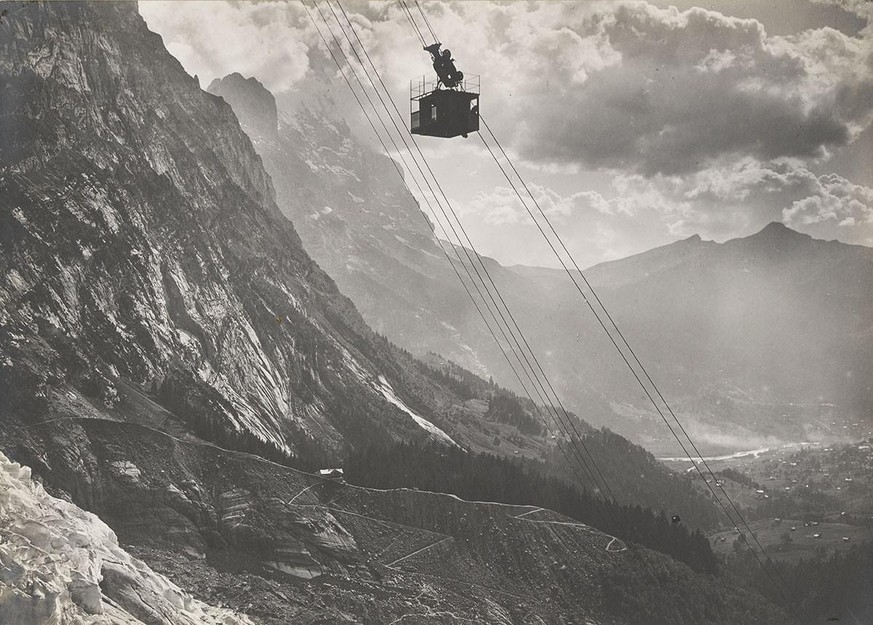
14, 278
392, 397
353, 365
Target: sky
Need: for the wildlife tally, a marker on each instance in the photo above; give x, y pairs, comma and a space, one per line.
634, 124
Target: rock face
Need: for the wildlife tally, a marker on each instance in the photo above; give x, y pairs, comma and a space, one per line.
362, 226
250, 101
736, 334
141, 241
59, 564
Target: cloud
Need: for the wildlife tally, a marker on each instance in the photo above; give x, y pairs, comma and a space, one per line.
721, 202
268, 40
740, 197
671, 122
502, 206
594, 226
616, 85
696, 86
834, 201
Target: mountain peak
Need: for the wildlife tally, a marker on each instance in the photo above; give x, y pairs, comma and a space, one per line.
776, 236
778, 229
775, 240
254, 104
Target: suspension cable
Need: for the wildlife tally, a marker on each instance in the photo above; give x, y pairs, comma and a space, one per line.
642, 384
436, 219
442, 247
567, 422
523, 360
625, 343
411, 19
426, 21
574, 441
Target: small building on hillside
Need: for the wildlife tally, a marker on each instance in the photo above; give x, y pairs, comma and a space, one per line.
331, 474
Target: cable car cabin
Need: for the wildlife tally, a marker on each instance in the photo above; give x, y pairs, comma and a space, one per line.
446, 113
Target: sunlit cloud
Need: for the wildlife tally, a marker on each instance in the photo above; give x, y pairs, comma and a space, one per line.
635, 125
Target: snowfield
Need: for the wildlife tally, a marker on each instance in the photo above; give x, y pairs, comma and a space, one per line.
60, 565
391, 396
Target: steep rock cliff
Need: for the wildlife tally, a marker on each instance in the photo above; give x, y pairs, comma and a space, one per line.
141, 240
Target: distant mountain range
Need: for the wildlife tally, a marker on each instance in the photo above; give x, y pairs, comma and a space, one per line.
772, 332
755, 341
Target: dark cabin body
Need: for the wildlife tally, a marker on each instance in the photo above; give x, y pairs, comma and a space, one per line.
446, 113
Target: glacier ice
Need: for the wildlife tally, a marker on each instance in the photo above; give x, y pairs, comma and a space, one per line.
60, 565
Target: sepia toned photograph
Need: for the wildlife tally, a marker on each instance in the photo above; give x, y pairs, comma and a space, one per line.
422, 312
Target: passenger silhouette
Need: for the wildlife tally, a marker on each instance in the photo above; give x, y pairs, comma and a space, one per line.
444, 66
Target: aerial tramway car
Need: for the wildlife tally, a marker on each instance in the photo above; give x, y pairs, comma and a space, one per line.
448, 106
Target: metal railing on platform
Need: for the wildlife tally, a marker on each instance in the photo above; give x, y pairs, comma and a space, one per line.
418, 88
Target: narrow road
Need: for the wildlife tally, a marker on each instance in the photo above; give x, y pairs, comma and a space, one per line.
290, 501
417, 551
582, 526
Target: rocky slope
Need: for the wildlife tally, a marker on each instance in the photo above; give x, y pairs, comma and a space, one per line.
60, 564
361, 225
142, 242
285, 546
753, 340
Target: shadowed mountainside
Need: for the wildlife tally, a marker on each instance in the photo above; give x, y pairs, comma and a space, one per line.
141, 241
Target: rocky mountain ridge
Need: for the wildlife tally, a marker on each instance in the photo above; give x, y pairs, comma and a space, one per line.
362, 226
142, 241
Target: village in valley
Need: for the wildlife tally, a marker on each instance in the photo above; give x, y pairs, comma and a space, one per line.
800, 503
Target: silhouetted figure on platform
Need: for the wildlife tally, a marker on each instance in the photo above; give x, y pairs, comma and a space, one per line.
444, 66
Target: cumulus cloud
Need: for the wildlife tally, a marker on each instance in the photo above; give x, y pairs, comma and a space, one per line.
594, 226
638, 212
692, 121
268, 40
695, 86
620, 85
739, 197
502, 206
833, 199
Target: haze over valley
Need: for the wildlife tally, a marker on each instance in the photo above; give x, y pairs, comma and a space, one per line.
760, 341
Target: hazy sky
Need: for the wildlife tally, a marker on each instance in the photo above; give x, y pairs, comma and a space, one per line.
635, 124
